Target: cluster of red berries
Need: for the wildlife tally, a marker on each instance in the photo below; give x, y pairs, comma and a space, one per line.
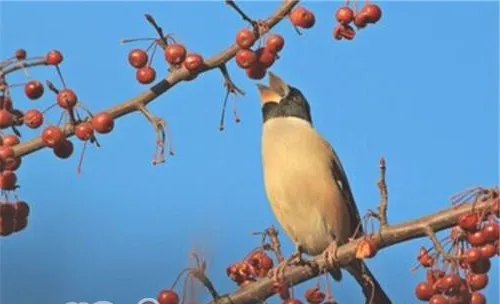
175, 54
13, 217
256, 62
54, 137
256, 264
369, 14
475, 241
8, 163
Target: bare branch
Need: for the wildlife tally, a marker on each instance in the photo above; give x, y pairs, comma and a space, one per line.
13, 68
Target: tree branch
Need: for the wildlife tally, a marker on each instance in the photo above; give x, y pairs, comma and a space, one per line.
389, 236
181, 74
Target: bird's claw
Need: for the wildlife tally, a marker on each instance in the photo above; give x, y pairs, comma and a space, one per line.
330, 255
297, 258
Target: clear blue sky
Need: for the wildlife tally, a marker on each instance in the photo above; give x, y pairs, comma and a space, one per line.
420, 87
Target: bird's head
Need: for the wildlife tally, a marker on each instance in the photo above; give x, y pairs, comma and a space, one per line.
279, 99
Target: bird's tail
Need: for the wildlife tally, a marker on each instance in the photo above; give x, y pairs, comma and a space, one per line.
371, 288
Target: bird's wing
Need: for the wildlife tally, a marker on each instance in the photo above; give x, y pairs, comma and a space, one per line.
340, 177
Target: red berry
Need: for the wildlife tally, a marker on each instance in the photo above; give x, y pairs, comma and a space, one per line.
20, 54
6, 119
7, 211
52, 135
302, 17
6, 226
84, 131
20, 224
64, 149
481, 266
424, 291
337, 32
488, 250
245, 58
425, 258
7, 159
472, 255
138, 58
261, 263
361, 20
372, 11
256, 71
491, 231
275, 43
347, 32
175, 53
477, 281
33, 118
265, 57
145, 75
245, 38
10, 140
103, 123
54, 57
314, 295
476, 238
468, 221
452, 283
22, 209
8, 180
477, 298
292, 301
67, 99
33, 89
438, 299
168, 296
344, 15
193, 62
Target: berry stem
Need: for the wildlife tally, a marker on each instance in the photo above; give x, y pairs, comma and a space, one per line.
80, 160
178, 277
60, 76
123, 41
158, 29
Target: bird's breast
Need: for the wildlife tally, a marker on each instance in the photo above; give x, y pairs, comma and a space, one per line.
299, 183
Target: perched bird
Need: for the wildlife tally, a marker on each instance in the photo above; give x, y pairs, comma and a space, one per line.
306, 184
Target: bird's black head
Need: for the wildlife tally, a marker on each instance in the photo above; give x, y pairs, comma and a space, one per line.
282, 100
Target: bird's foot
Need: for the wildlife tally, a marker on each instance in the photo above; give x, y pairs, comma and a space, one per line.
330, 255
297, 258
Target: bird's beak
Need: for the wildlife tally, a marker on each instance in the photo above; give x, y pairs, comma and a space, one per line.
267, 94
275, 92
278, 85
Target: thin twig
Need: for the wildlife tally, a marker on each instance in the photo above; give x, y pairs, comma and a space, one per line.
382, 186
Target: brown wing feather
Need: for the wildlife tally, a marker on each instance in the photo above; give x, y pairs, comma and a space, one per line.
341, 179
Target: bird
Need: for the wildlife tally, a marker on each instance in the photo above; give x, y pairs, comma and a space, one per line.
306, 184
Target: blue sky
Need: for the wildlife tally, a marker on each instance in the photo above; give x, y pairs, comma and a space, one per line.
420, 87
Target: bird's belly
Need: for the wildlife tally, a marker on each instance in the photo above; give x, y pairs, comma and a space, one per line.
300, 189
